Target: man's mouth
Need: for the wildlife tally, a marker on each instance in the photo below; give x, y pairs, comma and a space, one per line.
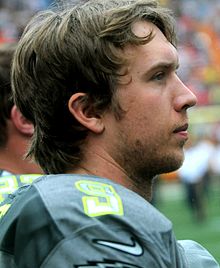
182, 128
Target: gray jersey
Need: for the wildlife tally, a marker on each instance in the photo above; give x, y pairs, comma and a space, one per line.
71, 221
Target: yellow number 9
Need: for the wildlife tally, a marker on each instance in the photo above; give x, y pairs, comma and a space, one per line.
101, 199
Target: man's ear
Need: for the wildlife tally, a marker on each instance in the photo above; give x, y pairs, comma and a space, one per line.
23, 125
82, 109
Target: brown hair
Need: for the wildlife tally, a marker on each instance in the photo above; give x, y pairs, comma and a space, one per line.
78, 49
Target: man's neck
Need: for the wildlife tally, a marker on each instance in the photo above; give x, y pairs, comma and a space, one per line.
99, 163
12, 160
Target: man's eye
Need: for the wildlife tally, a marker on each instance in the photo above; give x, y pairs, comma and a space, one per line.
159, 76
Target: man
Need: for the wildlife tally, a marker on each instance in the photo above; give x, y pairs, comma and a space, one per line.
99, 83
15, 133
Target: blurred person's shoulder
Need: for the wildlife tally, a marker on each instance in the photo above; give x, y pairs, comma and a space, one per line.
9, 182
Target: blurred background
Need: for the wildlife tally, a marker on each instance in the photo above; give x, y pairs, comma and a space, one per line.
190, 197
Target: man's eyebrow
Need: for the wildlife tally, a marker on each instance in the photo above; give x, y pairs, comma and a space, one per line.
164, 65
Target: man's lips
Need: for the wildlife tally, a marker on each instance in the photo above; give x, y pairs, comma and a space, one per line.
182, 128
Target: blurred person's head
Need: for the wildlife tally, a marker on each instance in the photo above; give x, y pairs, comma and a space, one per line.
16, 130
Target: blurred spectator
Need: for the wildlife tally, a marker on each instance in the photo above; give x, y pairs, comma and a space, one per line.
15, 133
215, 161
194, 174
14, 15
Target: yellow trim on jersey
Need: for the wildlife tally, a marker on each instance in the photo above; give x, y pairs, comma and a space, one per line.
4, 209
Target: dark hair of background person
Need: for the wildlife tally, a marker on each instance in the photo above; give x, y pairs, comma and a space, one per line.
6, 101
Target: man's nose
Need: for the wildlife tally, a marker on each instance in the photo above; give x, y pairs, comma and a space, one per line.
185, 99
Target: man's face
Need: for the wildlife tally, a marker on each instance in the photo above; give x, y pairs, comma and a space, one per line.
149, 138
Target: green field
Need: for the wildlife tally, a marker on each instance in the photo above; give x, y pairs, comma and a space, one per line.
171, 203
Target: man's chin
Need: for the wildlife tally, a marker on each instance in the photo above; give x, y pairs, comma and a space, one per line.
173, 165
